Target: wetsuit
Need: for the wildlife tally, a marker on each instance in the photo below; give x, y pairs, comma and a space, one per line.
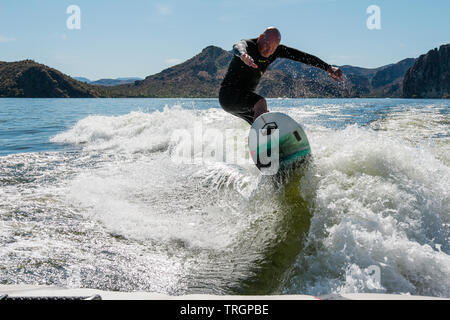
236, 94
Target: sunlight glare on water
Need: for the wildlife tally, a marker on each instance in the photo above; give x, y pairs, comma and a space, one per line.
98, 200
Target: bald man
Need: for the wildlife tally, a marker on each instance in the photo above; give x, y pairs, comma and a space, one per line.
251, 59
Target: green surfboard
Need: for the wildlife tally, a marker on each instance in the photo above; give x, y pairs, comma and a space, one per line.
276, 141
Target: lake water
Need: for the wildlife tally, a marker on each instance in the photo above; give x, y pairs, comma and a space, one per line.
93, 194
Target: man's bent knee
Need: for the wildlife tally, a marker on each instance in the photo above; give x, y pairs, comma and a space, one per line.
260, 108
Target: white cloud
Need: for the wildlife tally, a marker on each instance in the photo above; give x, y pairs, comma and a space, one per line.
163, 9
6, 39
172, 61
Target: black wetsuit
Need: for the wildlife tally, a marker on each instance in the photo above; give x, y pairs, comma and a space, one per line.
236, 94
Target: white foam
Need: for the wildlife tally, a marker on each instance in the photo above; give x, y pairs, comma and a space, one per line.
378, 201
380, 198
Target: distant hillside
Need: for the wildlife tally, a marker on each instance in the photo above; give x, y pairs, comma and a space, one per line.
305, 81
389, 81
82, 79
201, 75
114, 82
108, 82
28, 79
429, 77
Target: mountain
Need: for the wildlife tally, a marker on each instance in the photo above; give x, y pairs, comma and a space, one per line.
114, 82
307, 81
108, 82
33, 80
129, 79
429, 77
388, 82
82, 79
201, 76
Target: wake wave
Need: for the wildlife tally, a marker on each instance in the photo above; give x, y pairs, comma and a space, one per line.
372, 195
377, 201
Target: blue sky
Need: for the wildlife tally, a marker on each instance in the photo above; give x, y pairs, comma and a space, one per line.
121, 38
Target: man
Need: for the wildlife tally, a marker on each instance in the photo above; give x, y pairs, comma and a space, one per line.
250, 61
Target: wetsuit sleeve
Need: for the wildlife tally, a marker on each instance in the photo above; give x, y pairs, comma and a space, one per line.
300, 56
240, 48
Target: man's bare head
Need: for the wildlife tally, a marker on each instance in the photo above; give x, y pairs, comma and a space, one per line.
272, 33
268, 41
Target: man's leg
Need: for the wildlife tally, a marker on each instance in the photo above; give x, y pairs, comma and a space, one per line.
260, 108
244, 104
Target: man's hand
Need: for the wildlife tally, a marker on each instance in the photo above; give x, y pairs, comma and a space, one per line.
335, 73
248, 60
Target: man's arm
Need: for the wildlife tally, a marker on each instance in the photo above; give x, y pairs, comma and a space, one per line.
240, 50
300, 56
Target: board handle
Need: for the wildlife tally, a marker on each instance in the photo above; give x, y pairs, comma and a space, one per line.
269, 127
